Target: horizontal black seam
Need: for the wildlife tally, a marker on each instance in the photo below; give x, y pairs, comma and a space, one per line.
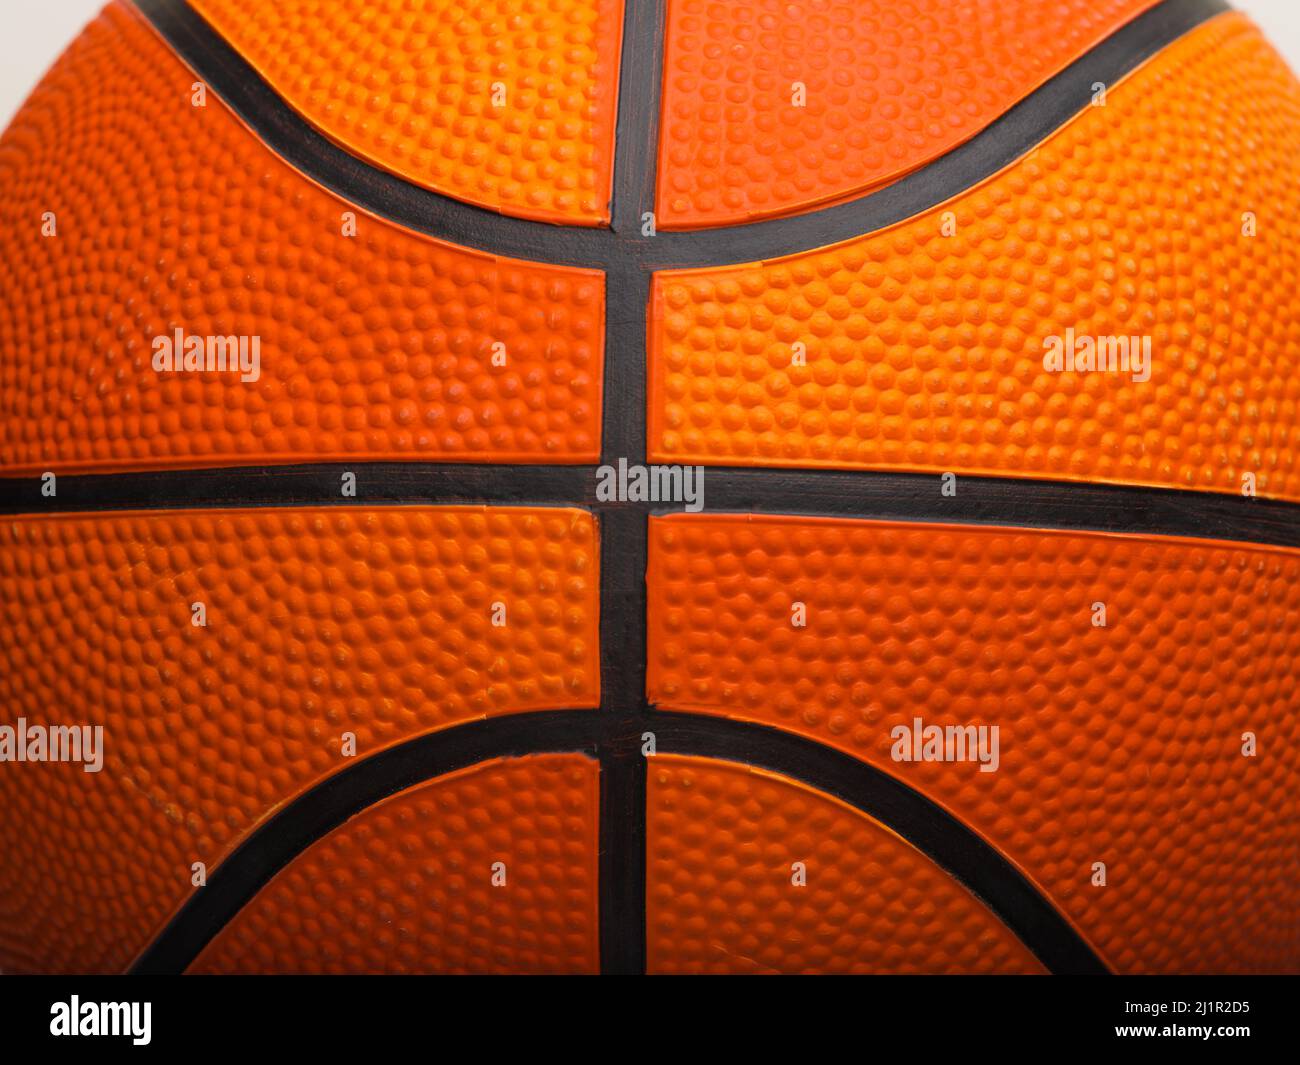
1012, 502
1023, 126
312, 815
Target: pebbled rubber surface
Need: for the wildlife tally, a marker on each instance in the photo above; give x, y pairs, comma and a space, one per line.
1119, 744
1122, 746
924, 352
406, 886
377, 346
891, 85
410, 86
722, 840
371, 620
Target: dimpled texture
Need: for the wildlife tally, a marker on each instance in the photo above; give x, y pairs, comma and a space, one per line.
172, 216
722, 842
1120, 744
320, 621
890, 85
926, 352
406, 885
509, 108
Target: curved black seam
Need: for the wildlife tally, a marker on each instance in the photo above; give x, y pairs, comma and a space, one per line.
932, 830
868, 495
937, 834
330, 803
1023, 126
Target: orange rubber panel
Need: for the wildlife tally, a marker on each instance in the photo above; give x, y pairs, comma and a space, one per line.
324, 621
407, 886
1121, 743
510, 107
725, 845
170, 216
889, 86
927, 352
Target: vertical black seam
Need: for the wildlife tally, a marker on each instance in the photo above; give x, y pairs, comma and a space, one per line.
624, 529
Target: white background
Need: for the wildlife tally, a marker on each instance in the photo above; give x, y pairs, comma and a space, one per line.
34, 32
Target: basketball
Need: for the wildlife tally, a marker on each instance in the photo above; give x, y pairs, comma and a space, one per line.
668, 487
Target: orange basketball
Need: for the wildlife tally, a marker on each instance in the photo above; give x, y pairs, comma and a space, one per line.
684, 486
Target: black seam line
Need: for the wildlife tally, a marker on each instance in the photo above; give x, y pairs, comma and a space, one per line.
624, 533
624, 553
329, 804
1009, 137
342, 796
924, 824
636, 130
622, 858
1017, 131
867, 495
